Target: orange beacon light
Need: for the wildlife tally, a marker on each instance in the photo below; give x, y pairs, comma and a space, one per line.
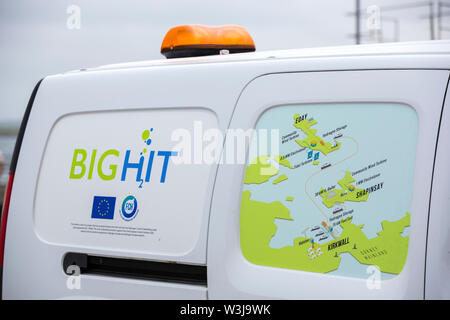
198, 40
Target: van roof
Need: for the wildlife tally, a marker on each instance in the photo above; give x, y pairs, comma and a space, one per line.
436, 47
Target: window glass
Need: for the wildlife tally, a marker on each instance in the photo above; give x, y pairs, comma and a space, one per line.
335, 195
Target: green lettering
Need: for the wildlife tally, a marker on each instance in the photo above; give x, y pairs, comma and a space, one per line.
91, 167
78, 163
112, 167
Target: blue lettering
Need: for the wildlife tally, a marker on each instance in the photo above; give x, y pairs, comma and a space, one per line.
166, 155
149, 166
127, 165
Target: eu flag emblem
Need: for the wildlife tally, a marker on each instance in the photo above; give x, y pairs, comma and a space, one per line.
103, 207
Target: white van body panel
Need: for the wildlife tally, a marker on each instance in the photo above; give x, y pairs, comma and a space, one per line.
437, 282
433, 53
159, 232
226, 87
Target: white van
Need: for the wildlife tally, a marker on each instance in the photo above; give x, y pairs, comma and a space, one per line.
110, 197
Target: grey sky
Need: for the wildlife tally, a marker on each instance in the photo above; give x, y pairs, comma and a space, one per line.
35, 42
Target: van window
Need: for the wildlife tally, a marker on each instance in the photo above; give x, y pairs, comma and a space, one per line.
334, 194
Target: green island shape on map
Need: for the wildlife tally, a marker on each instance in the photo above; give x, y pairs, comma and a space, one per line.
311, 137
388, 250
289, 198
330, 198
315, 163
280, 178
259, 170
283, 162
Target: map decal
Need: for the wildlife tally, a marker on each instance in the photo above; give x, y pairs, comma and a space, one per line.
336, 197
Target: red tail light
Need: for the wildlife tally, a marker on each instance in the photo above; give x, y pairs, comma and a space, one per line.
5, 216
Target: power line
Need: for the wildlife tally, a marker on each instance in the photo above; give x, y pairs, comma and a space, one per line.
420, 4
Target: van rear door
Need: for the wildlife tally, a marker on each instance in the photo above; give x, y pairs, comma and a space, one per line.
334, 201
437, 284
98, 190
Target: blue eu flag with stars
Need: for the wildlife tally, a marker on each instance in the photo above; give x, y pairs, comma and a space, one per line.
103, 207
